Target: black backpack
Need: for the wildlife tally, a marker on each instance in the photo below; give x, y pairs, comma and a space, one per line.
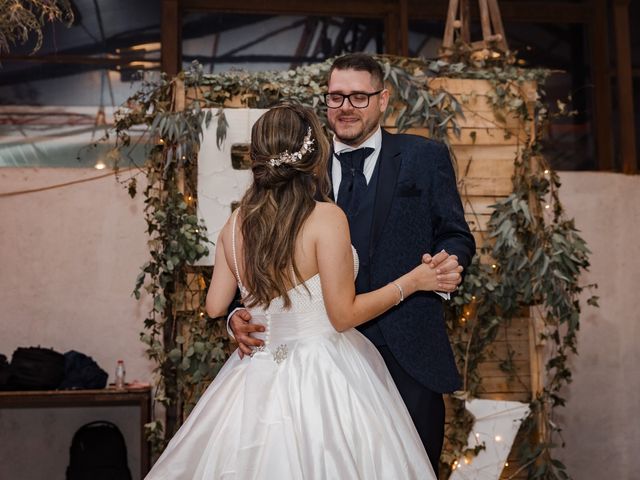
82, 371
36, 368
98, 452
5, 372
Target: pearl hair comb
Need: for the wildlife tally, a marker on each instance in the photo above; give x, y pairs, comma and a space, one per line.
289, 158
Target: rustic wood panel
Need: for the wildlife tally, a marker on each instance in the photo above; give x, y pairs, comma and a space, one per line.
485, 167
490, 152
479, 204
484, 156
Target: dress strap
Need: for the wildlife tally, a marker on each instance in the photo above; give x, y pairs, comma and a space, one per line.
233, 251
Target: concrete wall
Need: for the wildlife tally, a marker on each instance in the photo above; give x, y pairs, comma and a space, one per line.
68, 262
601, 428
69, 258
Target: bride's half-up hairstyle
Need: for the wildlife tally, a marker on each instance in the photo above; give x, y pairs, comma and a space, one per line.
280, 199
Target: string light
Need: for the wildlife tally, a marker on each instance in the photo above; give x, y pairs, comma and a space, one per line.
547, 206
100, 165
494, 266
498, 438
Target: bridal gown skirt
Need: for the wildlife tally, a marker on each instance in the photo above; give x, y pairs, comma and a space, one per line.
309, 406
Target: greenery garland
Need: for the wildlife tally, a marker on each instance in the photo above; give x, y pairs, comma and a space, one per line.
21, 18
538, 254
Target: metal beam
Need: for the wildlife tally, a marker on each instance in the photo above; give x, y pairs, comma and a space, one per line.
599, 47
70, 59
391, 33
171, 37
352, 8
516, 11
403, 17
625, 87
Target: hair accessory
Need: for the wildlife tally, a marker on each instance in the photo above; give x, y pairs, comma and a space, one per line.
286, 157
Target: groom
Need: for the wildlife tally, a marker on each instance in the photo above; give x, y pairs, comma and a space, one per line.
399, 193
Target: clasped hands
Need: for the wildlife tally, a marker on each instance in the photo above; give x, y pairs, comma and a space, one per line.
448, 275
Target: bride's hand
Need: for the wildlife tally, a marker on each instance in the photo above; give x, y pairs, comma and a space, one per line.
426, 279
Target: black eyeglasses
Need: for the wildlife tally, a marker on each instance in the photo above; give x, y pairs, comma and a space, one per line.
356, 99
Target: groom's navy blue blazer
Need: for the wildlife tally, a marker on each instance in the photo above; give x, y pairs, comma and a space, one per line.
417, 210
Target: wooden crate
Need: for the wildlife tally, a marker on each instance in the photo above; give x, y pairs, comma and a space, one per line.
484, 155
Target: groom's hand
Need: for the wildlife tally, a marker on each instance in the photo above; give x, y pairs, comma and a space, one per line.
242, 330
447, 268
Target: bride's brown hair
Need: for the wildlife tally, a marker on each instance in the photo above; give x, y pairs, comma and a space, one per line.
280, 199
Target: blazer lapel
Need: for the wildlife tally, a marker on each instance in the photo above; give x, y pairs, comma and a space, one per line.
390, 163
329, 172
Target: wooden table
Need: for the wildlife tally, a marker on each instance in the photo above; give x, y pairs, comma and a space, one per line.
88, 398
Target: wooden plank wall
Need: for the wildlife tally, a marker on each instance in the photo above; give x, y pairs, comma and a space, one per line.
484, 156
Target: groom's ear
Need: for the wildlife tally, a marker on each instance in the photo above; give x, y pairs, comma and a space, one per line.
384, 100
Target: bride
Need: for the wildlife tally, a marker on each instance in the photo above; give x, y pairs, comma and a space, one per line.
316, 401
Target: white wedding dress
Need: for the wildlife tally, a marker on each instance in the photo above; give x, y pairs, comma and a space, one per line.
313, 404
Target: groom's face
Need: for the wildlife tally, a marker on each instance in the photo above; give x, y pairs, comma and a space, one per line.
350, 125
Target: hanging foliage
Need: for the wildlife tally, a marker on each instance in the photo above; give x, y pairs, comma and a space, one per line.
537, 253
19, 19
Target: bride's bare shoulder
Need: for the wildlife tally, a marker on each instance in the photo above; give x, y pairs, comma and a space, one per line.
327, 215
226, 230
328, 211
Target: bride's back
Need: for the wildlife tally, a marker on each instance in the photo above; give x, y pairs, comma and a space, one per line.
274, 248
304, 254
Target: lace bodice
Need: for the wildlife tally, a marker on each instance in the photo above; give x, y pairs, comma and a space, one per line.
307, 315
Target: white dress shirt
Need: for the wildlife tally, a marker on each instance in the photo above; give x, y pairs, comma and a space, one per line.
374, 141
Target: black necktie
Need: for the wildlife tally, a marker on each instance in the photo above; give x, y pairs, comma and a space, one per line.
353, 184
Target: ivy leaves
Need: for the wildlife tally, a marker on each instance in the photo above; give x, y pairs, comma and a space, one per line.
537, 254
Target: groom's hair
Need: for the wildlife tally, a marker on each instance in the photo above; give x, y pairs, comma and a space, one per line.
362, 62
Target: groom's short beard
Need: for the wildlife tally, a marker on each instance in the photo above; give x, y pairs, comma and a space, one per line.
356, 139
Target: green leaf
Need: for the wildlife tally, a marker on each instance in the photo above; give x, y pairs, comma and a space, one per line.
175, 355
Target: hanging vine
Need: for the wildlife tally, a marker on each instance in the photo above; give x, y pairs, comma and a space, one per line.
20, 19
537, 254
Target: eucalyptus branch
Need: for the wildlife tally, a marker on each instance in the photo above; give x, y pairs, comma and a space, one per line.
537, 252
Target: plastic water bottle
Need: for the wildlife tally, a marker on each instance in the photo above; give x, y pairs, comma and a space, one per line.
120, 372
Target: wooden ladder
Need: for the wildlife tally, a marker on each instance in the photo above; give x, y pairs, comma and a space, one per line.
459, 17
